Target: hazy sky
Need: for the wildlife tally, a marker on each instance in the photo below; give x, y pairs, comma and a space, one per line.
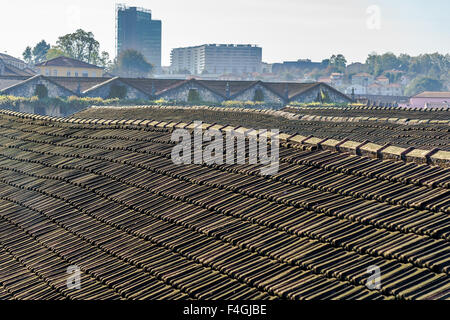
286, 29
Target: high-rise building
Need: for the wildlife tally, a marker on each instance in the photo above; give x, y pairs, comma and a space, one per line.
217, 59
136, 30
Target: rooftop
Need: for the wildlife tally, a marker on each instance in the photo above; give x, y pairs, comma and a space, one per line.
105, 196
433, 94
67, 62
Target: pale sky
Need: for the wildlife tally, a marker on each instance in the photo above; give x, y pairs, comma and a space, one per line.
285, 29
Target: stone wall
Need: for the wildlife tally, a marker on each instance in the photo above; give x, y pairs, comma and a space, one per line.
104, 91
27, 89
182, 92
48, 110
249, 94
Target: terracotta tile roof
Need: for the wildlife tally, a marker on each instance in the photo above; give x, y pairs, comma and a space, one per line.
11, 70
5, 83
423, 129
105, 196
363, 74
67, 62
292, 88
75, 83
150, 85
220, 86
5, 90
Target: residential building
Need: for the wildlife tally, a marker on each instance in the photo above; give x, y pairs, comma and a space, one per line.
135, 29
68, 67
337, 79
383, 80
295, 66
430, 99
356, 67
356, 89
394, 89
362, 79
11, 66
325, 79
217, 59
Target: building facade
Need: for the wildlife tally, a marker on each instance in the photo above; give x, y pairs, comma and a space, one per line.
430, 99
217, 59
295, 66
68, 67
275, 94
11, 66
136, 30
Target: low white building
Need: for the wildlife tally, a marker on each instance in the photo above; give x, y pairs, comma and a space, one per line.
356, 89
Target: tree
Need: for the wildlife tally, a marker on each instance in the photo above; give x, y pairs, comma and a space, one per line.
259, 96
389, 61
54, 52
422, 84
104, 60
80, 45
40, 51
28, 55
325, 63
117, 91
193, 96
338, 62
132, 63
41, 91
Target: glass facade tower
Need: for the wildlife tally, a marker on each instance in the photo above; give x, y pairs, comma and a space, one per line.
136, 30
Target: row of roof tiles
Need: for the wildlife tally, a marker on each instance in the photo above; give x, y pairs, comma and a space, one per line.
366, 148
108, 199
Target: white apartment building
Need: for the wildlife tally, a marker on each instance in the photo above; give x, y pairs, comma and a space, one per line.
217, 59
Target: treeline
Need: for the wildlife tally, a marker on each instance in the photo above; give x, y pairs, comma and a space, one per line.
434, 65
83, 46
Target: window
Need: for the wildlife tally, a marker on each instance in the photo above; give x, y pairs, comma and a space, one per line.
55, 73
47, 72
85, 74
68, 73
76, 74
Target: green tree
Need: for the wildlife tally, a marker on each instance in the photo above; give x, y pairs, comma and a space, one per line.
422, 84
28, 55
133, 64
104, 60
40, 51
338, 62
54, 52
193, 96
117, 91
325, 63
389, 61
259, 96
80, 45
322, 97
41, 91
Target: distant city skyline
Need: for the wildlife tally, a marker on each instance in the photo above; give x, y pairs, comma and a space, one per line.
285, 29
